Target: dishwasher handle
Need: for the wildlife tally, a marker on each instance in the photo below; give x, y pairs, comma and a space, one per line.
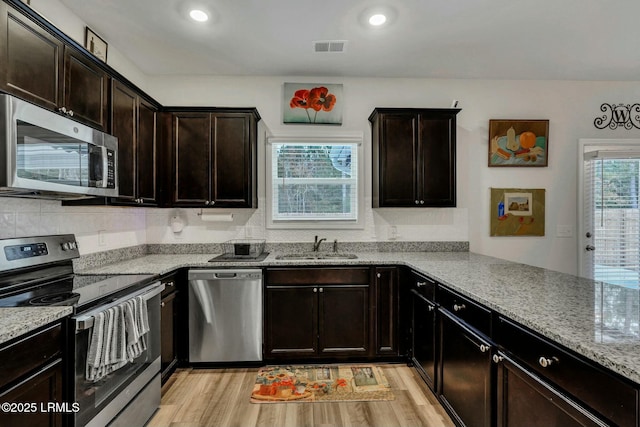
221, 274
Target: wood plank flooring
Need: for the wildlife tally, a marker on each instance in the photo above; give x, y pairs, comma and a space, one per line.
220, 397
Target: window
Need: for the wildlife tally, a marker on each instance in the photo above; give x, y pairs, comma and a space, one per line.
612, 216
314, 179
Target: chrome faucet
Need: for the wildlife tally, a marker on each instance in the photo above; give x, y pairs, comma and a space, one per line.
316, 244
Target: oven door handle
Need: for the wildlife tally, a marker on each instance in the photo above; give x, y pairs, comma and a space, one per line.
85, 321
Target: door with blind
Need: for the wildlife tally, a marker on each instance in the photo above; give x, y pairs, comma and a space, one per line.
610, 211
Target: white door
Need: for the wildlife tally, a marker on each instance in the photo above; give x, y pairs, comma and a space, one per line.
609, 231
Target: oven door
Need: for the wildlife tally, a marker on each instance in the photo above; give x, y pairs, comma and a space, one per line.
101, 401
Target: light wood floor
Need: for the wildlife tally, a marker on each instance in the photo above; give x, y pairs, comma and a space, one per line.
220, 397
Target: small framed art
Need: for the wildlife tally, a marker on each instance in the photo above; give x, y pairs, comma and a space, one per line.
518, 143
95, 44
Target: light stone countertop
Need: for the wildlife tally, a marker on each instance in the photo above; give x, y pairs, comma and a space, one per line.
597, 320
17, 321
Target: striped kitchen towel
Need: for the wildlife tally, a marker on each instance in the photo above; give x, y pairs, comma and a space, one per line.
107, 347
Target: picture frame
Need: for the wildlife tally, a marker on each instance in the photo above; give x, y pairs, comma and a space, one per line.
312, 103
517, 212
518, 143
95, 44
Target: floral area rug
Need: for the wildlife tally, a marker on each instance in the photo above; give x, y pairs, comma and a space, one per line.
320, 383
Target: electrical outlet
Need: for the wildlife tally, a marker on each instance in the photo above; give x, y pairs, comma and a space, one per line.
564, 230
101, 241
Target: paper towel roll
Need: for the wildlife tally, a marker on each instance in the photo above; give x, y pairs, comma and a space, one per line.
217, 217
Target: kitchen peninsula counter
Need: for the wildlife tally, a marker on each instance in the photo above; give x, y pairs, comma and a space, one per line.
597, 320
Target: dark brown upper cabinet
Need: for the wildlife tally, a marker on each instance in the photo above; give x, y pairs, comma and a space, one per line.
134, 123
214, 158
414, 157
38, 67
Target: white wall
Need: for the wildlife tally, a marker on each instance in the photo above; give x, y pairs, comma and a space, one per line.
570, 106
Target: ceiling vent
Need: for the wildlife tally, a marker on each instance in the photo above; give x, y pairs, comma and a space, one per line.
329, 46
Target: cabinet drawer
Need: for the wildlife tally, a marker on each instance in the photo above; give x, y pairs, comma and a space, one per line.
466, 310
423, 285
169, 286
611, 397
29, 353
319, 276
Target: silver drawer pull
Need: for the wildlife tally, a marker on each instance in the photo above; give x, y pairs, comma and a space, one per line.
497, 359
421, 284
484, 348
459, 307
546, 362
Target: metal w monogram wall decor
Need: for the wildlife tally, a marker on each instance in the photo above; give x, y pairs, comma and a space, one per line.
625, 115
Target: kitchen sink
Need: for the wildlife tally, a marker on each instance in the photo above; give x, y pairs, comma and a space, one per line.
319, 255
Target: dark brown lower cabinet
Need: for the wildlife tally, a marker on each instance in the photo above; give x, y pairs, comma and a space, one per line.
32, 375
38, 389
169, 324
525, 399
423, 337
465, 374
317, 313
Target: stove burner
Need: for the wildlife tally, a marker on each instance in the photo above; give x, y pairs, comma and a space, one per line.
62, 298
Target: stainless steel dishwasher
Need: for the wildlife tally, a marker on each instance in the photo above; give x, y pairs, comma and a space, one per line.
225, 315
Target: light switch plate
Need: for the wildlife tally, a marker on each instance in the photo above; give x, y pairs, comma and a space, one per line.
564, 230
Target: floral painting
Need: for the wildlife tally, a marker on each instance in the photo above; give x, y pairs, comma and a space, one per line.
312, 103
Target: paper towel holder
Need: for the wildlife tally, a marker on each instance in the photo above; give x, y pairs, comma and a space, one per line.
215, 217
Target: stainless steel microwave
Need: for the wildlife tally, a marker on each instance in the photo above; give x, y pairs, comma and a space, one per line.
46, 155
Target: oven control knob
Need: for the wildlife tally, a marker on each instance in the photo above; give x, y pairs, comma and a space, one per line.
73, 245
66, 246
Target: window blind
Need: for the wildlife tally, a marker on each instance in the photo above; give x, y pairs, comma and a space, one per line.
612, 216
314, 181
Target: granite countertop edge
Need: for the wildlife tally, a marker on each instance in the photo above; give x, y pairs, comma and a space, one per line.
18, 321
458, 271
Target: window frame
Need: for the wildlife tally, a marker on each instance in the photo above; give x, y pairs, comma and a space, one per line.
328, 223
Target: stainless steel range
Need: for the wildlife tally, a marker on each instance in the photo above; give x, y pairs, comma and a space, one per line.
38, 271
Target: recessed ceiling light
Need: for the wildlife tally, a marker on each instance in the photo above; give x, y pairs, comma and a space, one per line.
199, 15
377, 19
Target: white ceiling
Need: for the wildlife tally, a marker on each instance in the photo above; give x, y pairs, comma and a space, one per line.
492, 39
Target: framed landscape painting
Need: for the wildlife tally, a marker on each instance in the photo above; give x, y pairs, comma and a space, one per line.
312, 103
519, 143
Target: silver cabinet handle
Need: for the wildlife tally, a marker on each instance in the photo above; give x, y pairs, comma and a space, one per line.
422, 202
378, 275
321, 289
62, 110
484, 348
170, 284
459, 307
497, 358
421, 284
546, 362
162, 304
417, 202
315, 289
431, 308
70, 113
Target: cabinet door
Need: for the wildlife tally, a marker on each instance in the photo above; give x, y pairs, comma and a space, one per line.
30, 60
168, 316
423, 338
231, 160
465, 373
41, 388
146, 153
291, 321
437, 165
397, 160
344, 320
123, 126
192, 155
387, 311
85, 89
524, 396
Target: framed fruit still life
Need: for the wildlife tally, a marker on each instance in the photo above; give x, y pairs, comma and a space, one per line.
519, 143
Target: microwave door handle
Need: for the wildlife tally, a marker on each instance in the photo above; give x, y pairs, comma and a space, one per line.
105, 166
